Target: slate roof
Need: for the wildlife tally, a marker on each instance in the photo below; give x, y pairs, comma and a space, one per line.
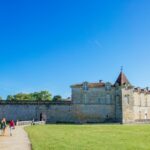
90, 85
122, 79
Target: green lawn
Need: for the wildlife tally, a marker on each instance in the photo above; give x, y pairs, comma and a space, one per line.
90, 137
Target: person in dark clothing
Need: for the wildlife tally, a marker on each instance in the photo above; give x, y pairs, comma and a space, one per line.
3, 126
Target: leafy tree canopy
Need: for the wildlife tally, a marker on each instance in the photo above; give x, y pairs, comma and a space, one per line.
41, 96
57, 98
10, 98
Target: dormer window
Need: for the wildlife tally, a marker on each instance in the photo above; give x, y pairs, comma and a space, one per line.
85, 86
107, 86
126, 85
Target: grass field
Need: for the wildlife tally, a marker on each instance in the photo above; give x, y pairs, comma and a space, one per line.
90, 137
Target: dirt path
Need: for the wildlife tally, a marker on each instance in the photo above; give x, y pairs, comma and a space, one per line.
19, 140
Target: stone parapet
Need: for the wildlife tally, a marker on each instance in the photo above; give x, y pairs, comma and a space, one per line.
28, 102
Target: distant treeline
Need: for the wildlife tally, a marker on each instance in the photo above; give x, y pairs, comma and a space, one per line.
37, 96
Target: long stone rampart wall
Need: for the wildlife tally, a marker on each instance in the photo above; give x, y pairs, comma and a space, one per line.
57, 112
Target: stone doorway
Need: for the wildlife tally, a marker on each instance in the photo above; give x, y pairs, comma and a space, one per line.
43, 116
145, 115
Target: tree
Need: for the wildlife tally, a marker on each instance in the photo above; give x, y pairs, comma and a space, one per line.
41, 96
22, 96
1, 98
44, 95
10, 98
34, 96
57, 98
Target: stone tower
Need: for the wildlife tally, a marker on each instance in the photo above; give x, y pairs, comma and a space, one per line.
122, 89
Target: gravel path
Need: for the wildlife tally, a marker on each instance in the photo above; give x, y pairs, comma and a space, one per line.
19, 140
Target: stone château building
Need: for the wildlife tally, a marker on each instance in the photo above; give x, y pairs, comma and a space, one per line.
91, 103
120, 102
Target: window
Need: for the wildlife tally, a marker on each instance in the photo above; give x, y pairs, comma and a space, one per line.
126, 99
118, 99
140, 103
101, 100
85, 86
146, 101
108, 99
108, 86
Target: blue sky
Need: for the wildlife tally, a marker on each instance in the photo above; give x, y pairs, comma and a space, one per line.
49, 45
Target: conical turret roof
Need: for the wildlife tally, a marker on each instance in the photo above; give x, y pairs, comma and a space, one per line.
122, 79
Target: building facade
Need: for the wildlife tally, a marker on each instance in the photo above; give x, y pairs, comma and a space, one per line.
118, 102
91, 103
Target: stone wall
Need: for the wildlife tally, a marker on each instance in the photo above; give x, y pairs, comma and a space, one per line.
58, 113
127, 106
136, 106
18, 112
96, 105
93, 96
24, 110
141, 106
93, 113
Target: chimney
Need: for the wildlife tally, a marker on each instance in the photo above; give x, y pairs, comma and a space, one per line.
100, 81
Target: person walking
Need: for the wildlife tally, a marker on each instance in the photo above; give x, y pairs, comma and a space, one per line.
0, 128
3, 126
11, 126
